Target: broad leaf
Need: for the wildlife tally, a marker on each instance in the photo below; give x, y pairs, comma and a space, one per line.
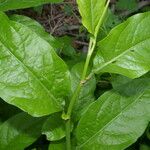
19, 131
86, 95
54, 127
17, 4
32, 76
38, 28
115, 121
91, 12
126, 49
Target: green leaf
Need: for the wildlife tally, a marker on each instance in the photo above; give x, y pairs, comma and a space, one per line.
124, 90
20, 131
115, 121
54, 127
86, 95
57, 146
38, 28
91, 12
126, 50
17, 4
32, 76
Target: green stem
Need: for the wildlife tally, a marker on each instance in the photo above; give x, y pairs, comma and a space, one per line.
68, 139
83, 77
102, 18
76, 93
91, 48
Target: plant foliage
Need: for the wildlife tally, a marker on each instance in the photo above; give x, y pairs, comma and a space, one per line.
56, 97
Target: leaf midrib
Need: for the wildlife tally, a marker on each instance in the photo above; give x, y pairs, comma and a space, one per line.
117, 57
29, 71
112, 119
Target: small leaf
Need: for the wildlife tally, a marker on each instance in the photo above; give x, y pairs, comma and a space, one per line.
91, 12
54, 127
17, 4
20, 131
126, 50
32, 76
114, 121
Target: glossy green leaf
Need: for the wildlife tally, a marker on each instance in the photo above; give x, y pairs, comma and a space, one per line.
54, 127
86, 95
32, 76
17, 4
38, 28
20, 131
115, 121
91, 12
126, 50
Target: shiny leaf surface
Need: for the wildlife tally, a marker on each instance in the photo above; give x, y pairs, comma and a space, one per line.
54, 127
91, 12
126, 50
32, 76
20, 131
38, 28
115, 121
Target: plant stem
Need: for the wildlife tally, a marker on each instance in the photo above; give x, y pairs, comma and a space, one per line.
68, 139
83, 77
91, 48
77, 91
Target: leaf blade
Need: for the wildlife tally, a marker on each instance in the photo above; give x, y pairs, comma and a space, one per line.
125, 50
33, 67
20, 131
91, 12
114, 121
